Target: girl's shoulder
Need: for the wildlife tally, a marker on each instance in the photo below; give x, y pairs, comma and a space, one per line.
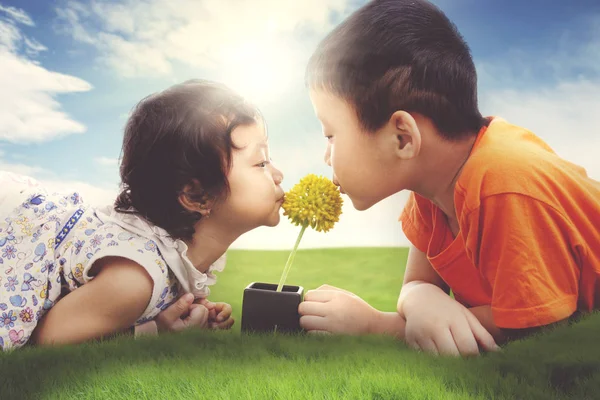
92, 237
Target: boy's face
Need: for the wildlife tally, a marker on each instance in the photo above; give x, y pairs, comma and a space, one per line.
364, 165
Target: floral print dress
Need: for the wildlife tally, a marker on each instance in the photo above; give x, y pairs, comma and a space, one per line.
49, 242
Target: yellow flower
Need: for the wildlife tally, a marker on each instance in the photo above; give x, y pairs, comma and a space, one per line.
315, 201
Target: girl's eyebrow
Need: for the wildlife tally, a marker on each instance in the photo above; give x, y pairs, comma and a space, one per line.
259, 147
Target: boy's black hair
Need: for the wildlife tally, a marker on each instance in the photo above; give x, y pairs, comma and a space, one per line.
395, 55
177, 137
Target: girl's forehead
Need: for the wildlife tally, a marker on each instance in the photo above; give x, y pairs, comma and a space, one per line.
250, 136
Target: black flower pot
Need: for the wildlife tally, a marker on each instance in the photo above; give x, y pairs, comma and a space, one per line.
266, 310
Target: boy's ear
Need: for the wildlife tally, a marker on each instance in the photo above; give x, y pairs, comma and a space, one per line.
406, 135
192, 199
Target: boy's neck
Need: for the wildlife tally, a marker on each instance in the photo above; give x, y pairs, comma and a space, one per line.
443, 162
210, 241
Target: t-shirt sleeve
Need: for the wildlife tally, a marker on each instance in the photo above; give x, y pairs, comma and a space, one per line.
522, 248
90, 245
417, 221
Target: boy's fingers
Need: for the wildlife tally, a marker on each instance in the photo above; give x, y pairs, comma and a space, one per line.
444, 342
329, 287
312, 308
482, 336
317, 332
321, 296
427, 345
310, 322
465, 340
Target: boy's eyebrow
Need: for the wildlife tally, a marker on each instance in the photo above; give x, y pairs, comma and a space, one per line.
323, 120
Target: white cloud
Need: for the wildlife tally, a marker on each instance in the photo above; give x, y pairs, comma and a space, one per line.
92, 194
106, 161
17, 15
29, 111
565, 116
562, 109
33, 47
251, 45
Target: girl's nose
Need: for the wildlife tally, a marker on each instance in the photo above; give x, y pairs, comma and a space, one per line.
327, 157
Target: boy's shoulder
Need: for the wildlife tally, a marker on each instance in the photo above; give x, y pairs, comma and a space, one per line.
507, 158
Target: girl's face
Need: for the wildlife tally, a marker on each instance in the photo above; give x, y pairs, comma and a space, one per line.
255, 196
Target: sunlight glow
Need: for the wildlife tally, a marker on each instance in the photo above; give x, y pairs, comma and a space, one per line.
260, 70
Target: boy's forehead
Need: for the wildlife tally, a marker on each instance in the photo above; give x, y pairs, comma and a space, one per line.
325, 103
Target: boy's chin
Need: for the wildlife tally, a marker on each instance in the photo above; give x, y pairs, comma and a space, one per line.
361, 204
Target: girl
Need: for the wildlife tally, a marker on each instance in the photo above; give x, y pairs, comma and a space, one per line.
196, 174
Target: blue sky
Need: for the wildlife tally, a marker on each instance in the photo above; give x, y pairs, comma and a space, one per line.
70, 71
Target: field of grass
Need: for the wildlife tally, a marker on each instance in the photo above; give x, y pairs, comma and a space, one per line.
229, 365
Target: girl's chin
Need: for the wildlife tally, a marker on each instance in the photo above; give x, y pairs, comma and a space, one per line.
274, 221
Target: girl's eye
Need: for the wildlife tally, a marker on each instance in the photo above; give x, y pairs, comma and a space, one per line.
263, 164
329, 138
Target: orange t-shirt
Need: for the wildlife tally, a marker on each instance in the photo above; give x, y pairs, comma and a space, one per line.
529, 240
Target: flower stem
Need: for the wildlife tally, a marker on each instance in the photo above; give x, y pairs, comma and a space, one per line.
290, 260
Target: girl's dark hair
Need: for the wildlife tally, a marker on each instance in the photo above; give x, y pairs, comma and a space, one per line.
394, 55
177, 137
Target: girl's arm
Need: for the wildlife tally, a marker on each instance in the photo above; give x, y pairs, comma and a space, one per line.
109, 303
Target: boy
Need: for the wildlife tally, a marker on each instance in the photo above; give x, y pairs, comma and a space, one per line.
494, 214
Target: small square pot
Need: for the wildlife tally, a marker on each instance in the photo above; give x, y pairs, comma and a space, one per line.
264, 309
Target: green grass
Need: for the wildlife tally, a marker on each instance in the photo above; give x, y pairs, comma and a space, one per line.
564, 363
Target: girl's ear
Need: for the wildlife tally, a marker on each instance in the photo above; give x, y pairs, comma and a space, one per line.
407, 136
193, 199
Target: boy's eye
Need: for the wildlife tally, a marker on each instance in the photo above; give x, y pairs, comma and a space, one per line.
262, 164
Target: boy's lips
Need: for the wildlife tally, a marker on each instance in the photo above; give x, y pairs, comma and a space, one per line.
336, 183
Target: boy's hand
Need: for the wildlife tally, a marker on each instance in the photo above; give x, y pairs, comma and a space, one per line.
332, 310
219, 314
438, 324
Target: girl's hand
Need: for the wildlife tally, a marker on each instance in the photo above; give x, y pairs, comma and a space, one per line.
332, 310
170, 320
438, 324
219, 316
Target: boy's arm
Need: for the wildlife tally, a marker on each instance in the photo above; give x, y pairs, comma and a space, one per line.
522, 248
419, 271
502, 335
109, 303
419, 277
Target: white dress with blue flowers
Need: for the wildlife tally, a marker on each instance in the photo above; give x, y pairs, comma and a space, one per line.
49, 242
